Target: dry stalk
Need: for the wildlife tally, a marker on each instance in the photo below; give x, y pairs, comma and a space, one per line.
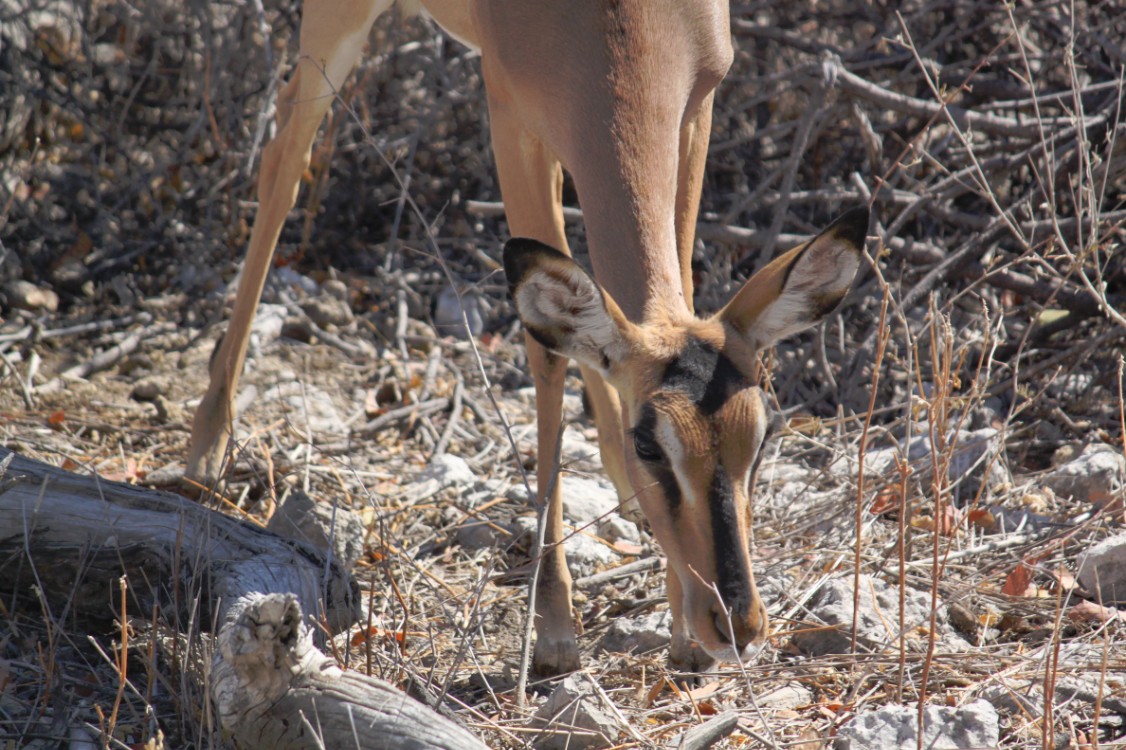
881, 346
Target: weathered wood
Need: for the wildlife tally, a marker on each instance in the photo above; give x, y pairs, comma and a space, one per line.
73, 536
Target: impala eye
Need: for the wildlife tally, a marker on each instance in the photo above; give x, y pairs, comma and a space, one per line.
646, 447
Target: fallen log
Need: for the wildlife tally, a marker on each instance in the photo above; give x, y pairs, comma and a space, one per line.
75, 536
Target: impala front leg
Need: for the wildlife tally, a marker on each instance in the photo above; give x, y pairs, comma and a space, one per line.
531, 183
333, 34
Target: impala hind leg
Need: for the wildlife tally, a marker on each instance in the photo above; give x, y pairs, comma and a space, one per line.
333, 33
531, 184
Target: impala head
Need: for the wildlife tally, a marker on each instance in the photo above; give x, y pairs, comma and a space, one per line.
696, 420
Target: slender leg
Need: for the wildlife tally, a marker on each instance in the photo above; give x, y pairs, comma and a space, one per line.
531, 183
333, 33
608, 419
694, 138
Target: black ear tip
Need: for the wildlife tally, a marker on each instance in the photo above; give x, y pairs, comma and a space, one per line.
852, 225
521, 253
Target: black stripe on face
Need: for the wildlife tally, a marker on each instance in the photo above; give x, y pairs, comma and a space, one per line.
661, 472
705, 374
732, 571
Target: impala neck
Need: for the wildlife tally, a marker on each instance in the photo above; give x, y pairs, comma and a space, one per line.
656, 72
610, 85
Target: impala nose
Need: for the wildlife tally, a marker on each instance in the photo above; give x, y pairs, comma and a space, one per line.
749, 624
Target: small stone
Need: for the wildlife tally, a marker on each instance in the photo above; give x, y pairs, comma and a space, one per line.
785, 697
615, 528
448, 309
585, 554
1102, 569
968, 727
327, 311
475, 535
586, 500
450, 471
310, 407
1097, 475
27, 296
638, 635
576, 717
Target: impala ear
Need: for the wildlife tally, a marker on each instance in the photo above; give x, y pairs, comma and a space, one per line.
563, 308
800, 287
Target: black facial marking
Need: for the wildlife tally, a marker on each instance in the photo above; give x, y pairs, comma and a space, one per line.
731, 563
705, 374
664, 475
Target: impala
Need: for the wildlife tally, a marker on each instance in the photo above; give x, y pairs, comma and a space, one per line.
620, 93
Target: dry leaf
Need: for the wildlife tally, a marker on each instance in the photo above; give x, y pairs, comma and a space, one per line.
1019, 581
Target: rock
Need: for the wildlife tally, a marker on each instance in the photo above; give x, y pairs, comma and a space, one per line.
968, 727
785, 697
267, 326
1096, 475
576, 716
638, 635
319, 524
310, 407
327, 311
977, 456
1102, 569
585, 554
1027, 701
877, 621
27, 296
615, 528
586, 500
448, 308
449, 471
580, 451
475, 534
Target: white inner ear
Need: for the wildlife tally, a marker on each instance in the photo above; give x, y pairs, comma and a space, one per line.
567, 306
825, 270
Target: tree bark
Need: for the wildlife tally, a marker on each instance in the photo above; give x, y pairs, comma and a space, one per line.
74, 536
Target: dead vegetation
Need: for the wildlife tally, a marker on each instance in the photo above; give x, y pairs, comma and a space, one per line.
952, 428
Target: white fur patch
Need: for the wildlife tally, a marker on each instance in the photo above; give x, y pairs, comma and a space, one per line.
825, 270
570, 311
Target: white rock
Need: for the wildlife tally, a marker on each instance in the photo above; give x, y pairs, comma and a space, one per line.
449, 471
586, 500
576, 717
969, 727
638, 635
1102, 569
448, 308
785, 697
267, 326
616, 528
577, 449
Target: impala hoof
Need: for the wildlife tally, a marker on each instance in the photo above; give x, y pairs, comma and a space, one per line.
686, 656
552, 657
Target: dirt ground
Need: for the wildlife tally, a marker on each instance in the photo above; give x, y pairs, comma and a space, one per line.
977, 357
